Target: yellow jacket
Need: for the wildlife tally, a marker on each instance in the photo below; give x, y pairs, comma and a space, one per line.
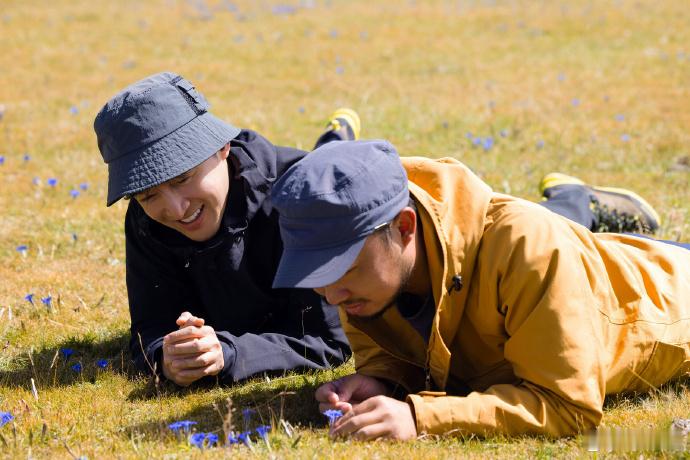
537, 318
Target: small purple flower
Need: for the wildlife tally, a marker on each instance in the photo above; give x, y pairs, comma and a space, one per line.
619, 117
84, 186
184, 425
477, 141
197, 440
52, 181
74, 193
244, 438
625, 137
211, 439
5, 418
76, 367
102, 363
35, 181
540, 144
575, 102
232, 439
26, 157
263, 430
66, 353
74, 110
2, 160
29, 298
333, 415
22, 249
340, 70
47, 301
468, 135
504, 133
488, 143
561, 76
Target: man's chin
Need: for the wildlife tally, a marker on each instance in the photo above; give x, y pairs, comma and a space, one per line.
373, 316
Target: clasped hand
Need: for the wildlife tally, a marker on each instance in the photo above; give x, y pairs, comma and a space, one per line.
192, 352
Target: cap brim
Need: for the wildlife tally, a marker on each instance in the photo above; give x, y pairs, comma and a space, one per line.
315, 268
168, 157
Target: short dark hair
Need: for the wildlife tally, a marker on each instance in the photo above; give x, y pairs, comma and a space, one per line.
385, 230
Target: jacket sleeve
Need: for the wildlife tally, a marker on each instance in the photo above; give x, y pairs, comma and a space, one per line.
543, 281
318, 343
157, 293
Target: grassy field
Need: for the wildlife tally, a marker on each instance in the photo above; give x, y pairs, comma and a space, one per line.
515, 89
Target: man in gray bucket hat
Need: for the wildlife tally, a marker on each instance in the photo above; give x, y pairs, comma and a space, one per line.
202, 241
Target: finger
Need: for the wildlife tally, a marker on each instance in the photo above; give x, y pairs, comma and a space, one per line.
374, 431
184, 334
327, 393
196, 345
348, 424
198, 361
182, 319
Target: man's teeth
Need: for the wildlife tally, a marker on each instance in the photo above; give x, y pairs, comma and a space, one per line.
192, 217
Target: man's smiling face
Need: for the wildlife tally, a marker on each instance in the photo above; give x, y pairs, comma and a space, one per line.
193, 202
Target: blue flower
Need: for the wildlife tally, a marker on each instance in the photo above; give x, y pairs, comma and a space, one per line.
52, 181
74, 110
66, 352
333, 415
232, 439
35, 181
244, 437
488, 143
2, 160
468, 135
340, 70
540, 144
22, 249
619, 117
29, 298
76, 367
182, 425
211, 439
625, 137
575, 102
74, 193
5, 417
26, 157
102, 363
247, 416
84, 186
46, 301
477, 141
197, 440
263, 430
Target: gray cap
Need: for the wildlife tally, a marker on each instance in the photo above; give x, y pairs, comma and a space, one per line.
155, 130
329, 203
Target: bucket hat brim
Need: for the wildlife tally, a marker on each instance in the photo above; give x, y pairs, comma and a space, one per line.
168, 157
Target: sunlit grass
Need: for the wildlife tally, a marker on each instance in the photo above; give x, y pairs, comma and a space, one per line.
595, 89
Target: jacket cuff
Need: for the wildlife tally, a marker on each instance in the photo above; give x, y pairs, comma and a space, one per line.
229, 356
433, 413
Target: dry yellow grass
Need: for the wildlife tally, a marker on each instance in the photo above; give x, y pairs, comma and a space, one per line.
594, 88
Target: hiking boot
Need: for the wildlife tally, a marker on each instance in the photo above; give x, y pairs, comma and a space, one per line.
615, 209
343, 125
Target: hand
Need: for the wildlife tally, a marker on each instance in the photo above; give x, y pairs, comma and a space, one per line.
192, 352
377, 417
347, 391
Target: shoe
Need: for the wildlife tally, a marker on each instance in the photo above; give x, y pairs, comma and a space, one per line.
345, 124
616, 209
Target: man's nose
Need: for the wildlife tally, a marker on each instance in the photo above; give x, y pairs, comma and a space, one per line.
174, 205
334, 294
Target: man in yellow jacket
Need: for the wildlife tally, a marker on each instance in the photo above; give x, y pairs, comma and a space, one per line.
470, 311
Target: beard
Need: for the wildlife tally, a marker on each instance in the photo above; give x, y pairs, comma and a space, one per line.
405, 274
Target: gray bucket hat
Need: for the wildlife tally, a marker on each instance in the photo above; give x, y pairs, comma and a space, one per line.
329, 203
155, 130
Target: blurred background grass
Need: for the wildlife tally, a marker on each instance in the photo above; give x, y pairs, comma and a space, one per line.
598, 89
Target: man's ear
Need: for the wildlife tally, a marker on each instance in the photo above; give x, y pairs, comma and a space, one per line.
407, 224
224, 152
